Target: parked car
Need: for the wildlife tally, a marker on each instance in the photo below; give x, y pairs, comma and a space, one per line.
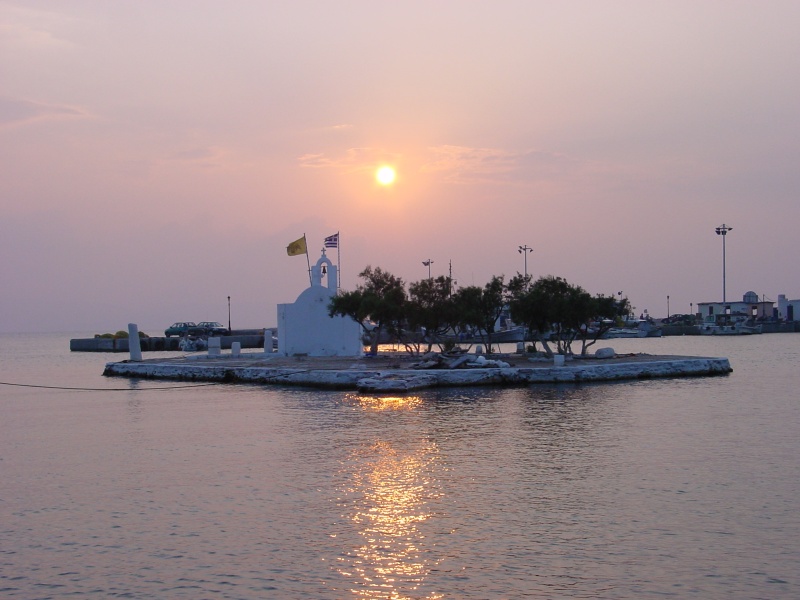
679, 319
212, 328
180, 328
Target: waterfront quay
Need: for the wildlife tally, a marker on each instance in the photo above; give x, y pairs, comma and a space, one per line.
246, 338
254, 338
400, 372
766, 327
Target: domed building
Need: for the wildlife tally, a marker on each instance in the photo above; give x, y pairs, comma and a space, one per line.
306, 329
750, 306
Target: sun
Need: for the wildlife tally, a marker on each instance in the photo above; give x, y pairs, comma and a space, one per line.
385, 175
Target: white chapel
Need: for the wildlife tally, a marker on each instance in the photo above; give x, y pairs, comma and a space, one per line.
304, 327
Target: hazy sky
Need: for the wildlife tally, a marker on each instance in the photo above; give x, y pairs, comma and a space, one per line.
158, 157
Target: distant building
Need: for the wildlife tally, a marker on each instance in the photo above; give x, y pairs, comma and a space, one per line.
788, 310
750, 306
305, 328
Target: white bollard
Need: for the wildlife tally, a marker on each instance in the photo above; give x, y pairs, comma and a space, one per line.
268, 349
236, 349
214, 346
134, 344
558, 360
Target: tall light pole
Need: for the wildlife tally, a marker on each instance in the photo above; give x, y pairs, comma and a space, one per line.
428, 264
229, 314
668, 306
723, 231
524, 250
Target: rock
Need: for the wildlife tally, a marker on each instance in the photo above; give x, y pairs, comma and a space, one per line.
604, 353
393, 384
375, 384
428, 364
459, 362
432, 360
540, 358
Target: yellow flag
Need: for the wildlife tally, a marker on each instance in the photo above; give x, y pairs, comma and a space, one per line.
297, 247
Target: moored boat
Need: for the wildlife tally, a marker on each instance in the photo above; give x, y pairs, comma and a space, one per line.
726, 324
637, 329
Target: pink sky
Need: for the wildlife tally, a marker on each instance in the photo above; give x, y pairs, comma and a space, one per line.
157, 157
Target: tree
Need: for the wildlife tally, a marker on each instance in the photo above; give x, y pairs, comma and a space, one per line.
554, 309
547, 309
551, 309
568, 303
380, 299
607, 310
429, 309
480, 308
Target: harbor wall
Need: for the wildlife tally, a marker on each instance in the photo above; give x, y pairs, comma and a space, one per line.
157, 344
680, 330
766, 327
255, 339
780, 327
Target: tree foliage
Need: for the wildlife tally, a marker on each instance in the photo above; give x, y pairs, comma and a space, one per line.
430, 310
380, 299
552, 310
478, 309
607, 312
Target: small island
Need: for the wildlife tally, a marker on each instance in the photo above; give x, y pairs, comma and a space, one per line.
321, 339
401, 372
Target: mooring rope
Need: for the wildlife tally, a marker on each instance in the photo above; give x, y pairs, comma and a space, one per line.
86, 389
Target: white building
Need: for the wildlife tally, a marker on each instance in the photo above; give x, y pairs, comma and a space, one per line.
750, 306
788, 310
304, 328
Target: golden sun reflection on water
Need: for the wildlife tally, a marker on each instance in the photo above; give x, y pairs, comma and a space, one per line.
386, 402
391, 492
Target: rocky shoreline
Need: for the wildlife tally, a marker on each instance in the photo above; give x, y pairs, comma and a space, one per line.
399, 372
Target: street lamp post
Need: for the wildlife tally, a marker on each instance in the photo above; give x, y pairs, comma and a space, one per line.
229, 314
723, 231
668, 306
428, 264
524, 251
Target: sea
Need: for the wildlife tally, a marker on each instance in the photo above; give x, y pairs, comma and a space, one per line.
671, 488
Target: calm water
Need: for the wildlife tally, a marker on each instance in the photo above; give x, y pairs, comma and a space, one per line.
675, 488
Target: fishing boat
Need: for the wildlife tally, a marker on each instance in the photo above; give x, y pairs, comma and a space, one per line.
641, 328
728, 324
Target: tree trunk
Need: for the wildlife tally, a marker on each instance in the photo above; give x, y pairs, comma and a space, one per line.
376, 336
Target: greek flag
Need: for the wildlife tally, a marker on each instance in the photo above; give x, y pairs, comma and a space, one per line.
332, 241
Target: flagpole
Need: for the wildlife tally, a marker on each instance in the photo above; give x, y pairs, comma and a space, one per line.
308, 260
339, 261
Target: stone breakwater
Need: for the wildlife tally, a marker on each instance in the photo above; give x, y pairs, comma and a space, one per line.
397, 373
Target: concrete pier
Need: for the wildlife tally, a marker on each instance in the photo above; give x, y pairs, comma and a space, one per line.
397, 373
159, 344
